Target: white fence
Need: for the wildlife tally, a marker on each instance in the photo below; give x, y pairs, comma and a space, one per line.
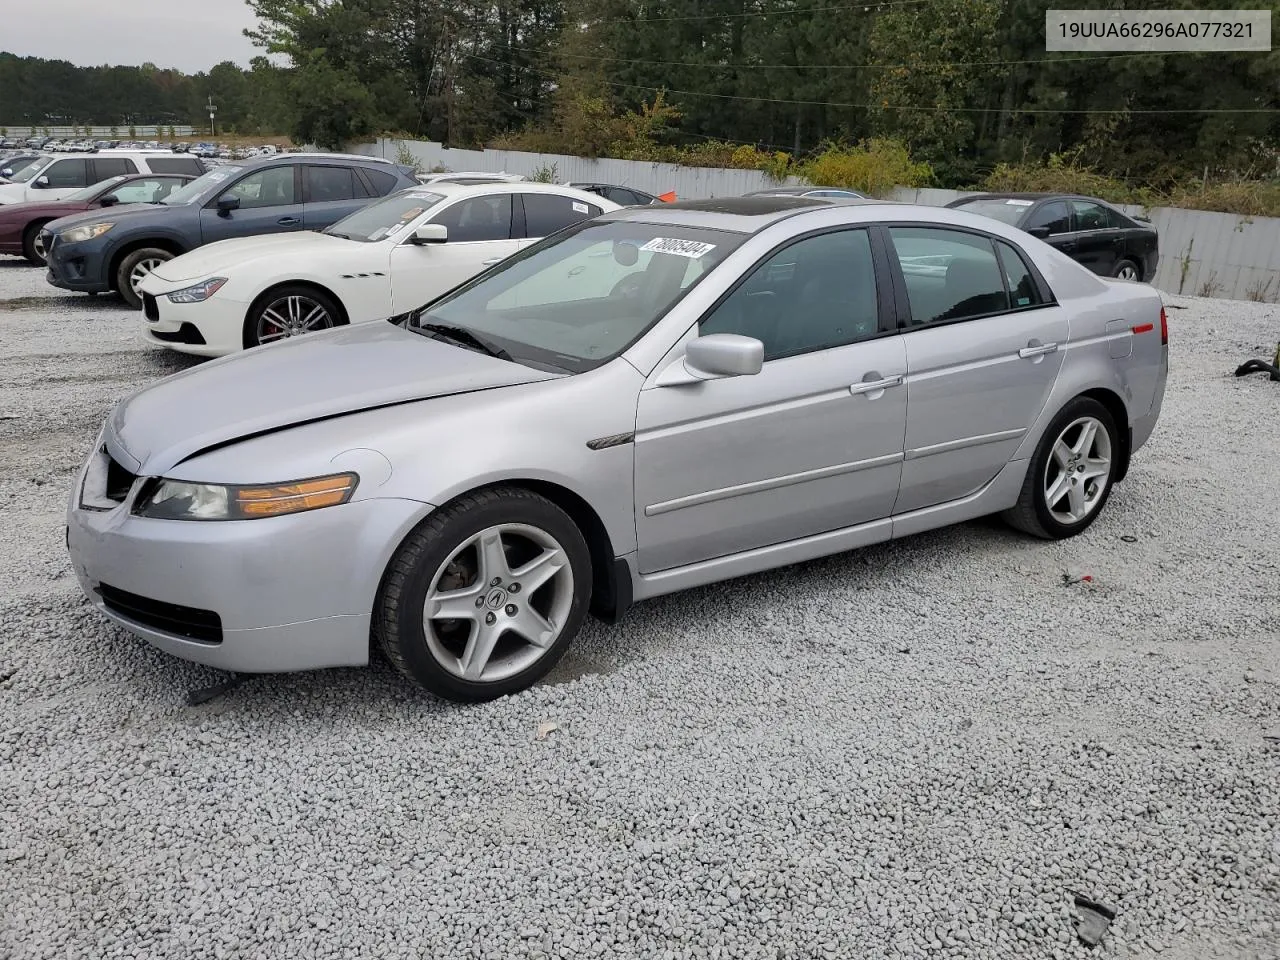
1201, 253
148, 131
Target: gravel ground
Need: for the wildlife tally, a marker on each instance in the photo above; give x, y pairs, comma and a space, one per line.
919, 749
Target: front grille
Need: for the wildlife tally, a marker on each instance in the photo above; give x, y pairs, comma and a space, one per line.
150, 307
119, 480
204, 626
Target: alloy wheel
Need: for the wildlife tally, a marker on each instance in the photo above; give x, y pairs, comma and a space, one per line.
498, 604
37, 245
292, 316
1127, 272
1078, 470
141, 270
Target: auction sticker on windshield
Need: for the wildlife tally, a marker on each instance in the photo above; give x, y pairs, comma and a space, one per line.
693, 249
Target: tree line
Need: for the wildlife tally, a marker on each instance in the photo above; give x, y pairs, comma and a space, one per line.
35, 92
964, 85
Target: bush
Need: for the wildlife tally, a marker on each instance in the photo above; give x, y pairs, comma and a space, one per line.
874, 167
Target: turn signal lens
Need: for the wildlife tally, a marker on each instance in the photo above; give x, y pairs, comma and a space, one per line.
182, 500
295, 497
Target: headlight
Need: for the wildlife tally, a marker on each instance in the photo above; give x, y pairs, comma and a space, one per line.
180, 500
199, 292
88, 232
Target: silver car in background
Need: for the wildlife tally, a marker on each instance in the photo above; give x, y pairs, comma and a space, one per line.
657, 398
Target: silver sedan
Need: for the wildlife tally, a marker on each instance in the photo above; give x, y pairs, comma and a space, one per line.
655, 399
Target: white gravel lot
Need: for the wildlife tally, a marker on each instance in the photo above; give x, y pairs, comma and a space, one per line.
919, 749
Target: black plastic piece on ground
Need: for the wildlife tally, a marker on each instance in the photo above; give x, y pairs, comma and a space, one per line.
1258, 366
205, 694
1093, 921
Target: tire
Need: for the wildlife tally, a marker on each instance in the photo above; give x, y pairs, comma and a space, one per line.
1127, 270
1053, 510
32, 249
134, 268
441, 556
289, 311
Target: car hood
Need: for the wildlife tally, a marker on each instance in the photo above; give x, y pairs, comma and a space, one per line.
122, 211
316, 377
12, 192
217, 258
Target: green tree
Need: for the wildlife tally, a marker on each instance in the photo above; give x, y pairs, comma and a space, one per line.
333, 107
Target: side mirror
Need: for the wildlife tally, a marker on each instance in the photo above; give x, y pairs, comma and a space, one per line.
108, 201
1041, 233
7, 172
228, 203
41, 183
714, 357
430, 233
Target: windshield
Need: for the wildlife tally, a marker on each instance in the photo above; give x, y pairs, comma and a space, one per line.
91, 191
29, 172
1008, 211
579, 298
384, 218
194, 190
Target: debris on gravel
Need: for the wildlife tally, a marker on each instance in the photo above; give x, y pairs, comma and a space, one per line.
751, 770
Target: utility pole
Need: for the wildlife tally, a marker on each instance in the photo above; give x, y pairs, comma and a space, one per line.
212, 110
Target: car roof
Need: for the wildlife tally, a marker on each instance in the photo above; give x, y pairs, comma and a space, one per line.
264, 160
449, 189
1013, 195
748, 214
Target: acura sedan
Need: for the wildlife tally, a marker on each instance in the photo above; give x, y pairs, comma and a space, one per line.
653, 399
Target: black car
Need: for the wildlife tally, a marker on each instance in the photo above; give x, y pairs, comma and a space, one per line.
626, 196
1088, 230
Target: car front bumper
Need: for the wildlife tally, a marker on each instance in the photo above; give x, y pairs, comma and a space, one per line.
213, 328
81, 267
252, 596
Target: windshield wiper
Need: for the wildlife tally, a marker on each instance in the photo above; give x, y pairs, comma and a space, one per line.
463, 336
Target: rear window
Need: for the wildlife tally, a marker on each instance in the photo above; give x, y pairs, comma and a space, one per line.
545, 213
1006, 210
383, 182
188, 165
106, 167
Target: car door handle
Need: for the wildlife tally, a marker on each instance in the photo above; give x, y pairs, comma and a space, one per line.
288, 221
1034, 349
876, 385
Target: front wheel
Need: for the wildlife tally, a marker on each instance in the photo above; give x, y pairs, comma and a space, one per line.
33, 245
289, 311
485, 596
135, 268
1069, 478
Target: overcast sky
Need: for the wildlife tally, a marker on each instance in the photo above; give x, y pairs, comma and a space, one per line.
189, 35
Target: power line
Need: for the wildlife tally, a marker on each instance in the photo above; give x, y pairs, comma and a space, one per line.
912, 109
868, 5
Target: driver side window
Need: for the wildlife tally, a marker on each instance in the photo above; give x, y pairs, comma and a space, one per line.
816, 293
272, 187
478, 219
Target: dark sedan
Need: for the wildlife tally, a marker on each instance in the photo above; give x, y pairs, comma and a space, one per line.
1091, 232
626, 196
21, 223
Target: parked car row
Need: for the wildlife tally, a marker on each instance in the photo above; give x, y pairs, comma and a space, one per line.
650, 398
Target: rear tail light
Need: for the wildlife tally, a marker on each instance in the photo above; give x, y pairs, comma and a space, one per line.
1164, 328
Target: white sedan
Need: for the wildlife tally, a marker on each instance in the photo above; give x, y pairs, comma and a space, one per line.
386, 259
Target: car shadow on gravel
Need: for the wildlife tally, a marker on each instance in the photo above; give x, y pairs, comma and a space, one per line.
148, 675
79, 303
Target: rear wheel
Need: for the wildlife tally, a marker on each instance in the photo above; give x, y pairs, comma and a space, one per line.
1069, 479
135, 268
1127, 270
289, 311
33, 246
485, 596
